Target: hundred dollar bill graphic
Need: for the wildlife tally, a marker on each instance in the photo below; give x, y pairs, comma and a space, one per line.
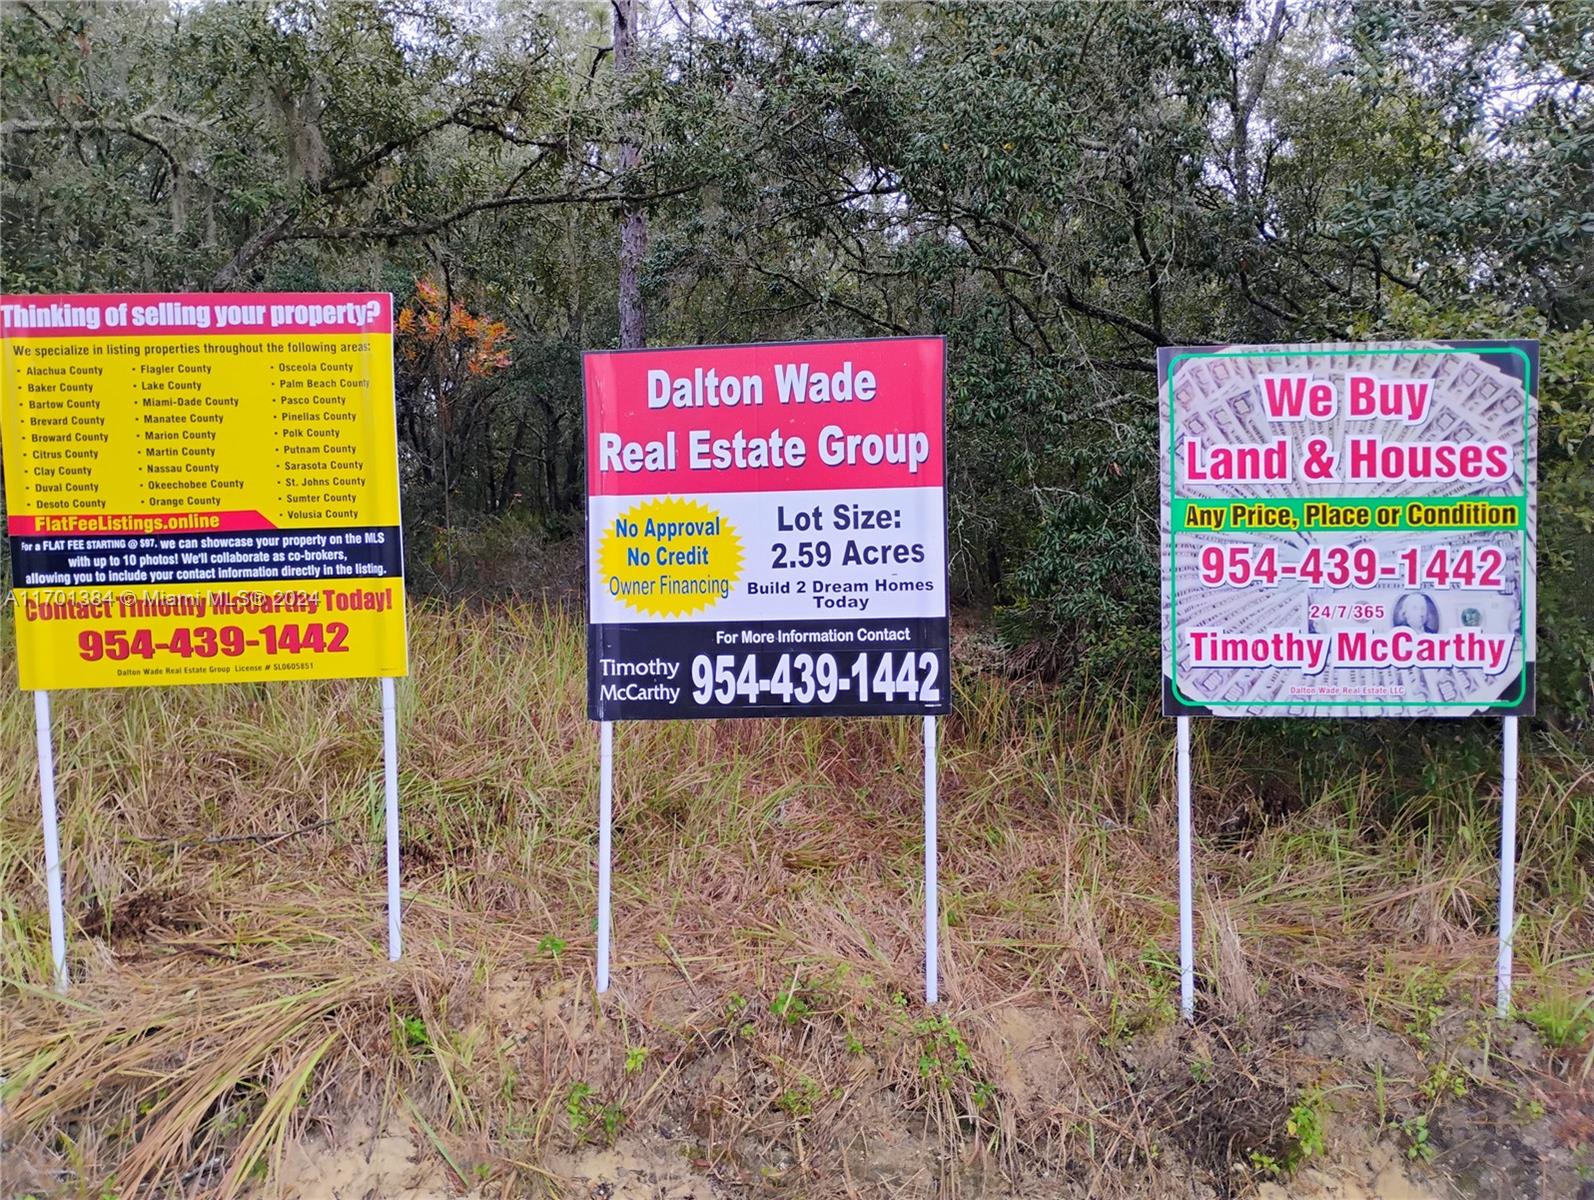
1399, 581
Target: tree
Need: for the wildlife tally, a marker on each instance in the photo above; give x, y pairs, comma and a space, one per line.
1060, 188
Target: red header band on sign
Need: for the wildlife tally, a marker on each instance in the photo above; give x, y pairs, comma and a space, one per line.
783, 417
179, 314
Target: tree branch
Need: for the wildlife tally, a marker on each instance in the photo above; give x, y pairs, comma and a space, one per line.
436, 224
126, 128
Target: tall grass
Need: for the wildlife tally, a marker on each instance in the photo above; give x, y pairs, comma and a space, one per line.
223, 857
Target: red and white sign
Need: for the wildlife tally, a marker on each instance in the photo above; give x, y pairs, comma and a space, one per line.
760, 503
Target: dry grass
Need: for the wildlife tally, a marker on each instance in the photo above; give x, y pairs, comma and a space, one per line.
231, 995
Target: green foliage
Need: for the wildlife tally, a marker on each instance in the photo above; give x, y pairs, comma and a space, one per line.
1304, 1137
1265, 1164
577, 1101
1563, 1020
1415, 1132
414, 1033
1422, 1000
1090, 583
587, 1112
1144, 999
1444, 1082
552, 945
735, 1011
945, 1063
790, 1006
799, 1100
1059, 188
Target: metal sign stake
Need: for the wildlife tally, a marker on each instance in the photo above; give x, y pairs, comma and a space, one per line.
605, 843
1508, 865
1186, 878
932, 924
52, 838
395, 936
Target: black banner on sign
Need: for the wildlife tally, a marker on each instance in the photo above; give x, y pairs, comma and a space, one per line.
879, 667
214, 556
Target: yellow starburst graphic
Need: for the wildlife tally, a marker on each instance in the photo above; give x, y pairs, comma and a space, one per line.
669, 557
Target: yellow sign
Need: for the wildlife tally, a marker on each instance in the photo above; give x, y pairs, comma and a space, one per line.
201, 488
670, 557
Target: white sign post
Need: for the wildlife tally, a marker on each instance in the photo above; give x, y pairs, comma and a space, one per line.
932, 922
605, 845
52, 837
767, 538
1508, 865
1186, 875
395, 935
1349, 530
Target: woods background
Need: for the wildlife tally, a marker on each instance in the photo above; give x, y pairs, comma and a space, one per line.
1058, 188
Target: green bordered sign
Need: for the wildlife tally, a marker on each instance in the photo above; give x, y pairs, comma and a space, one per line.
1349, 529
